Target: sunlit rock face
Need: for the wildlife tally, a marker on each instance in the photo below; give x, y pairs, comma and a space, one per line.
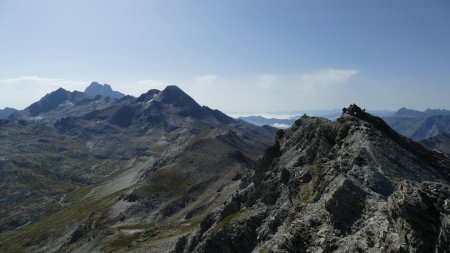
353, 185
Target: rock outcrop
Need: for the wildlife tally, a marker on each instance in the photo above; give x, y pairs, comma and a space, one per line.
353, 185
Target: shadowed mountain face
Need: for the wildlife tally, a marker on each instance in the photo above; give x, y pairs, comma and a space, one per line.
53, 100
433, 126
353, 185
90, 174
440, 142
104, 90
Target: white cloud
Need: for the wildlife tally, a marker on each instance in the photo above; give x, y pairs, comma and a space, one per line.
44, 81
21, 91
280, 125
267, 81
273, 92
326, 78
206, 79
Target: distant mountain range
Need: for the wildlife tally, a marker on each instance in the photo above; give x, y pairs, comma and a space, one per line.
95, 93
408, 113
62, 103
420, 125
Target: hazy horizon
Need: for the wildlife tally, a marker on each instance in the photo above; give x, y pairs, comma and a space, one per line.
266, 114
239, 57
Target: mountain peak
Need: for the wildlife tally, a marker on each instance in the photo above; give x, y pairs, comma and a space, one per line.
357, 112
104, 90
147, 96
49, 102
174, 90
172, 94
59, 90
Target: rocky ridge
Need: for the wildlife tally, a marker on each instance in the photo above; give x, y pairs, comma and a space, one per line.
353, 185
61, 103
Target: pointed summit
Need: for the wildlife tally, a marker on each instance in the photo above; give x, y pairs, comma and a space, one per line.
49, 102
172, 94
59, 98
105, 90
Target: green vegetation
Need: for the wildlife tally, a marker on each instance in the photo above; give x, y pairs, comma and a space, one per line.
305, 195
93, 210
243, 170
150, 233
262, 250
227, 220
169, 181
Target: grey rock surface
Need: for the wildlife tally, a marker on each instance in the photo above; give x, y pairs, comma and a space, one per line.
353, 185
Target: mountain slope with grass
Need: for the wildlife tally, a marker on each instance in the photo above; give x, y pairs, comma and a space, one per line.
131, 176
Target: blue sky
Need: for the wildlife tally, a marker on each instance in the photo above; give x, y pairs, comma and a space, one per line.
237, 56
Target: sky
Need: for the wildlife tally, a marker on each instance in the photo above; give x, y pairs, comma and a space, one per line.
241, 57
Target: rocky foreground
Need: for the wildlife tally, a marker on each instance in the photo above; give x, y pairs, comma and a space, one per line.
353, 185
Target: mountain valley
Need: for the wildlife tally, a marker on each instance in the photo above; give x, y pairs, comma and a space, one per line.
94, 167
